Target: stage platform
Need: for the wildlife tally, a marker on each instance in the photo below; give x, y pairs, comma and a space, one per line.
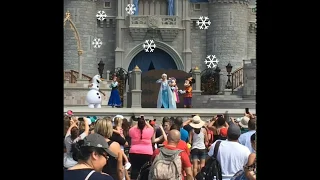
157, 113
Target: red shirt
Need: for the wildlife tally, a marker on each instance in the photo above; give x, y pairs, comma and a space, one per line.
184, 157
182, 145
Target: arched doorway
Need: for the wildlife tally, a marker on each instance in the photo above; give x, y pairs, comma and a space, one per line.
158, 59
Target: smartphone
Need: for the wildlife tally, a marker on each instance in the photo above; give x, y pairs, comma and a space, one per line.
193, 115
247, 110
80, 119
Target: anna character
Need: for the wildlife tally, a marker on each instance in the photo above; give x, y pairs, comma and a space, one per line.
187, 92
114, 99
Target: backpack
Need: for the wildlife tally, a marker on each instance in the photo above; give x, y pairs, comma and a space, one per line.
167, 165
240, 175
212, 167
144, 171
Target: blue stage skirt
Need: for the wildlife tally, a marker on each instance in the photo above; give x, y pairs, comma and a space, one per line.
114, 99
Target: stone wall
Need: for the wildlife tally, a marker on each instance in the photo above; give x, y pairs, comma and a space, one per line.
249, 78
83, 14
106, 31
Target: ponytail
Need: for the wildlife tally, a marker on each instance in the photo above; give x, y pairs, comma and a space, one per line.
141, 125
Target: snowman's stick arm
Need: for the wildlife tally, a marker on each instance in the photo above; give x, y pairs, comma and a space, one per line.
90, 85
102, 92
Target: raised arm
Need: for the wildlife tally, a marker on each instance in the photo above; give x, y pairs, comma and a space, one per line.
159, 81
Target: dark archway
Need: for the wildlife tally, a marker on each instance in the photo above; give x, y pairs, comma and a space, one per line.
156, 60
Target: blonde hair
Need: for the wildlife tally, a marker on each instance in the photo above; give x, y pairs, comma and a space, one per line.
118, 121
104, 127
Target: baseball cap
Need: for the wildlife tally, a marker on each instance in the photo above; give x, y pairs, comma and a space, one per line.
96, 140
233, 130
69, 113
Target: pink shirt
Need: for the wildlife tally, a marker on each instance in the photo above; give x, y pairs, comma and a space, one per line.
138, 145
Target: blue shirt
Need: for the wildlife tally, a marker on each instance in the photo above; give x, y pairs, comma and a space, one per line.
184, 135
80, 174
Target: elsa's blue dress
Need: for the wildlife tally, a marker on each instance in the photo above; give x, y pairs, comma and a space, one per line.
165, 96
114, 99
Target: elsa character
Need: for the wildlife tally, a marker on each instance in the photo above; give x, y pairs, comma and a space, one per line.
165, 96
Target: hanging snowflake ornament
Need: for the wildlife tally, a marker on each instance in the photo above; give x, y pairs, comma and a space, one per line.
101, 15
203, 22
211, 61
96, 43
149, 46
131, 8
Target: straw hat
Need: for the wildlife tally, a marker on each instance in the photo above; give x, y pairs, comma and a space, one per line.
196, 122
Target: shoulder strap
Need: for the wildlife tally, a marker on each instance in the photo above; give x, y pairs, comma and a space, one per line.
216, 149
88, 176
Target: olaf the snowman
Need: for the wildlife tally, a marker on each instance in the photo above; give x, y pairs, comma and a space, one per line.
94, 97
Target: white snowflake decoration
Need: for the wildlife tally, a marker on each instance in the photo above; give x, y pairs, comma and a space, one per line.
96, 43
101, 15
130, 9
203, 22
149, 46
213, 61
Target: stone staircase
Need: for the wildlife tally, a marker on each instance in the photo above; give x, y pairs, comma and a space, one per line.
232, 101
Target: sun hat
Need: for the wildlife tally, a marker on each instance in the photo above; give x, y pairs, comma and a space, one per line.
197, 122
244, 122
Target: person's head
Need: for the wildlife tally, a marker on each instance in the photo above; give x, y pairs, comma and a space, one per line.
197, 124
114, 78
125, 126
74, 133
164, 76
244, 122
233, 132
66, 124
252, 124
104, 127
173, 137
178, 121
93, 150
118, 122
175, 127
166, 124
253, 141
220, 121
141, 125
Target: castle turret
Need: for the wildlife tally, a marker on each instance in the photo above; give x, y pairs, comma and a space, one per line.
83, 14
227, 34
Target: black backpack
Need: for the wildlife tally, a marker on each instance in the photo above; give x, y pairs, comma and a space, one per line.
144, 171
212, 167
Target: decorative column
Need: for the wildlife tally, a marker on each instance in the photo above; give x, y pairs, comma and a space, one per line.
119, 25
176, 12
186, 21
197, 77
135, 88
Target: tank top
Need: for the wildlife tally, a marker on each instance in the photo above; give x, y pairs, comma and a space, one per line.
198, 140
111, 167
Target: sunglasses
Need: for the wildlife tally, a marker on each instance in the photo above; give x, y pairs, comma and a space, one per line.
104, 155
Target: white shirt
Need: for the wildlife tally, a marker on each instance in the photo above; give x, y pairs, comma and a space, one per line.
245, 139
232, 157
